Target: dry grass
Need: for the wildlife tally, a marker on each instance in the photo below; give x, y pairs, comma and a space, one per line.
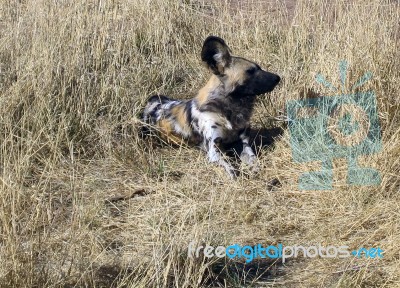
85, 202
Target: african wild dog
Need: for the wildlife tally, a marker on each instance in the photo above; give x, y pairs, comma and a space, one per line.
220, 113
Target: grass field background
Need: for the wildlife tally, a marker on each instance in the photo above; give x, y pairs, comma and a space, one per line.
85, 202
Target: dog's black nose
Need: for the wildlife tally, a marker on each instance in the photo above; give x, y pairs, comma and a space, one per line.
277, 79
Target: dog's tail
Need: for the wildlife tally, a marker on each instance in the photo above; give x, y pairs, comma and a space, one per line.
152, 112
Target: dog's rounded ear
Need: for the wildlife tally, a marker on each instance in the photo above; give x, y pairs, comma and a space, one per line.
216, 54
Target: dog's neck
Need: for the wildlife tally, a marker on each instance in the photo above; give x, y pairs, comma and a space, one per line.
237, 108
215, 86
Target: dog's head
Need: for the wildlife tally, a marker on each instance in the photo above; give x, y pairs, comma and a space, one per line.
240, 77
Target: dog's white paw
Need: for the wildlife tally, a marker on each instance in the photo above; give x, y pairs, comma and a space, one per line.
250, 162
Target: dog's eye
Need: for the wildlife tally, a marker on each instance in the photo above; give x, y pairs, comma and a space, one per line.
251, 71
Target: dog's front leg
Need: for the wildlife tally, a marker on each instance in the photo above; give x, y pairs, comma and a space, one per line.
247, 155
215, 156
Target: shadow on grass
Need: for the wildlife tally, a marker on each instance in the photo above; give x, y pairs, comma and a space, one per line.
260, 138
238, 274
221, 273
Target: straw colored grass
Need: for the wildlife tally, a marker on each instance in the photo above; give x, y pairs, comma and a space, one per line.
86, 202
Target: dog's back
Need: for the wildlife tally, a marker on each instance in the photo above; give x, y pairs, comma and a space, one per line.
172, 118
